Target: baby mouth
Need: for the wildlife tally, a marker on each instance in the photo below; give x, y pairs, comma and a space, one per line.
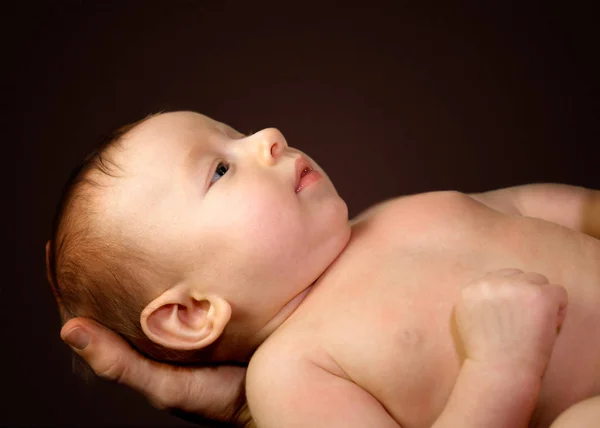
303, 173
306, 175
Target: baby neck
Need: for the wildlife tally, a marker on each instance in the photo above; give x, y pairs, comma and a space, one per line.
281, 316
244, 344
241, 345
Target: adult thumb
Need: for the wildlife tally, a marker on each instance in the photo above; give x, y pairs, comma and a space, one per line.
109, 355
209, 392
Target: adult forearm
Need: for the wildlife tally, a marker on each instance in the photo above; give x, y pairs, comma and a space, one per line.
575, 207
489, 397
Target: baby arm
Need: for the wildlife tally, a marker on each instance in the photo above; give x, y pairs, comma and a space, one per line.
508, 322
575, 207
288, 391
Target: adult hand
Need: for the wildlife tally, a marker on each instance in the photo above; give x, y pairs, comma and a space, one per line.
192, 393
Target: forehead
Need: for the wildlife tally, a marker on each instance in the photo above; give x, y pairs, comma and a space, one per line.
167, 139
155, 158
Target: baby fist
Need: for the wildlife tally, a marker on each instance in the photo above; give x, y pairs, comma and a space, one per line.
510, 318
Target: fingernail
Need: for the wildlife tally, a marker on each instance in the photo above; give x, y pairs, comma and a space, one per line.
78, 338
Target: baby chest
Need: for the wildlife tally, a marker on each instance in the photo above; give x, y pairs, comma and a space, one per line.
385, 315
390, 332
389, 311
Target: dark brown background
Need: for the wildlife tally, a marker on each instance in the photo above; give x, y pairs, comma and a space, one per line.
389, 98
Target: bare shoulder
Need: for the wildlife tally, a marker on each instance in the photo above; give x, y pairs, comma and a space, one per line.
282, 356
423, 210
271, 363
271, 376
276, 365
286, 387
427, 201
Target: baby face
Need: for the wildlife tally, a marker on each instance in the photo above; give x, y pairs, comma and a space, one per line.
247, 217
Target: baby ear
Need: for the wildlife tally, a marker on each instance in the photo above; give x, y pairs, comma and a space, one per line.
185, 319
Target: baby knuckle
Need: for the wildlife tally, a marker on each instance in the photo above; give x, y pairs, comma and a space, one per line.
543, 303
536, 278
532, 294
507, 271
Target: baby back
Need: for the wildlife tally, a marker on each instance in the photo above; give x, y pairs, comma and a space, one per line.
381, 315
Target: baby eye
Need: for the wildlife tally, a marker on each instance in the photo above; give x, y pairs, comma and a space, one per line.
220, 171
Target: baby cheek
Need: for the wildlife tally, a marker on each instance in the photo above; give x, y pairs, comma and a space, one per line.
271, 233
262, 221
271, 238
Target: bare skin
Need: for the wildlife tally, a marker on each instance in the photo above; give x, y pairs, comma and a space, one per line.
394, 337
113, 359
192, 393
373, 343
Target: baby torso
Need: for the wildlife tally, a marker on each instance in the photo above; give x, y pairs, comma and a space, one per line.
381, 316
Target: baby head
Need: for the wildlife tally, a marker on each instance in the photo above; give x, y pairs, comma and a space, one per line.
192, 240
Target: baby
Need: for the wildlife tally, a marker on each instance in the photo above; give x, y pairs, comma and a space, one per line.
200, 244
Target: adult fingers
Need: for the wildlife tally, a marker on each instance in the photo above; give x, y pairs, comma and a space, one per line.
210, 392
107, 353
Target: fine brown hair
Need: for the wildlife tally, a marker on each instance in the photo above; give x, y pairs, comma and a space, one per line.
94, 270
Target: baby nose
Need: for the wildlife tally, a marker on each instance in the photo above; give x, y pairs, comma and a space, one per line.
271, 144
